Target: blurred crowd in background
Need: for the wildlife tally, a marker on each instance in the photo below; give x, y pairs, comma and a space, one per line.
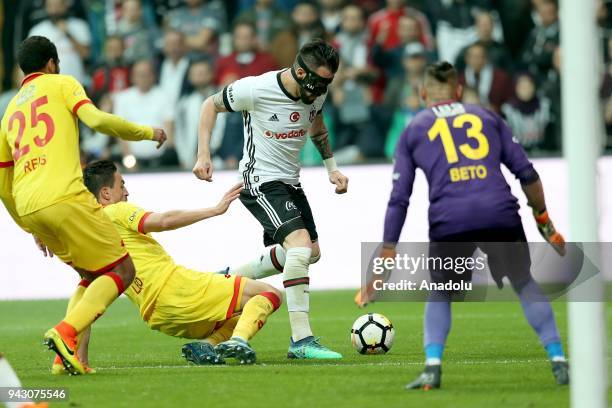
155, 61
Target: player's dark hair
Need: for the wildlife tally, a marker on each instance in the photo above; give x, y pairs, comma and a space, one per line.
318, 53
99, 174
34, 53
443, 72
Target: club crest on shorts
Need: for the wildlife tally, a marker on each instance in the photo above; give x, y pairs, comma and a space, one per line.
290, 206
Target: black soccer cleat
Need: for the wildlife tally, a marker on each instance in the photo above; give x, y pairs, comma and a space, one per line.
430, 378
238, 349
560, 370
201, 353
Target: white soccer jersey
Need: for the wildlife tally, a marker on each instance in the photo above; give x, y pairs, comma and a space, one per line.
275, 127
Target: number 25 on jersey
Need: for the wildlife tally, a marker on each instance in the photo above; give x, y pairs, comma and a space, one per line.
18, 119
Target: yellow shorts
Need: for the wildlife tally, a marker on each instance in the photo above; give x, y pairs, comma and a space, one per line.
193, 304
78, 232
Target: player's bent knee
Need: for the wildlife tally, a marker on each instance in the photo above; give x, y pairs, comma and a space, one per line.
314, 258
297, 238
126, 271
274, 296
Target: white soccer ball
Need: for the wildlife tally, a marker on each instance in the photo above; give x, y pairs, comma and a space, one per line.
372, 333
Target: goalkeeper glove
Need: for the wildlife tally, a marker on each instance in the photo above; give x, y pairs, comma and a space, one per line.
548, 231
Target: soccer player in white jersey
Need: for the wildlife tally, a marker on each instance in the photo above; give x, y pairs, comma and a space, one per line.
280, 109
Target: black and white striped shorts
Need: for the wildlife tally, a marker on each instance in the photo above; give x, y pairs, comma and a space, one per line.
281, 209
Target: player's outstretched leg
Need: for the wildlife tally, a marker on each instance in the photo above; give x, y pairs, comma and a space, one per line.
270, 262
437, 327
103, 291
260, 301
303, 344
540, 316
57, 368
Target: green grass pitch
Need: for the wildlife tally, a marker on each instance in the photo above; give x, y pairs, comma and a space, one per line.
493, 359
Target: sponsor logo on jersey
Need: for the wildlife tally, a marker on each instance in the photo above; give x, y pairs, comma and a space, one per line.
273, 118
230, 93
26, 94
294, 117
285, 135
290, 206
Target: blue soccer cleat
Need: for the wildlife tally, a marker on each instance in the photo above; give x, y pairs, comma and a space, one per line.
310, 348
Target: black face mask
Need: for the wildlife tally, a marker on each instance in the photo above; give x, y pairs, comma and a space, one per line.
312, 82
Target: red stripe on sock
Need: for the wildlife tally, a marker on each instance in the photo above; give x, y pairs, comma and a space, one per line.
232, 306
271, 296
275, 262
118, 281
298, 281
84, 283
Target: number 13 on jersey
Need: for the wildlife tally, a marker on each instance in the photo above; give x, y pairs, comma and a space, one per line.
474, 130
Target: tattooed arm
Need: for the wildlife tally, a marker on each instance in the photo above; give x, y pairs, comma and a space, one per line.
320, 137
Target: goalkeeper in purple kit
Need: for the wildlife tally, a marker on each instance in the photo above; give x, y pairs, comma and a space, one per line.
460, 147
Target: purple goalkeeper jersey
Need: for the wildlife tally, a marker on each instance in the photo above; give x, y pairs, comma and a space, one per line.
460, 148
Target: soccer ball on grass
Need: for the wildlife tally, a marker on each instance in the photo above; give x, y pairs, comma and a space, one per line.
372, 333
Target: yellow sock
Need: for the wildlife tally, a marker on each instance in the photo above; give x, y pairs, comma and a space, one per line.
255, 313
100, 294
224, 332
75, 299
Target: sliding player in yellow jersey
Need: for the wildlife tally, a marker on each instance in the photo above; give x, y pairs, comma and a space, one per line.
41, 185
226, 311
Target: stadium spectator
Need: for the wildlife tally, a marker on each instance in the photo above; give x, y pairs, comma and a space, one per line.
96, 145
331, 15
527, 114
494, 86
307, 22
497, 52
112, 73
454, 21
246, 59
390, 60
6, 96
274, 30
284, 5
355, 136
201, 23
70, 35
538, 50
388, 19
139, 38
268, 19
551, 90
145, 103
200, 80
174, 66
402, 93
